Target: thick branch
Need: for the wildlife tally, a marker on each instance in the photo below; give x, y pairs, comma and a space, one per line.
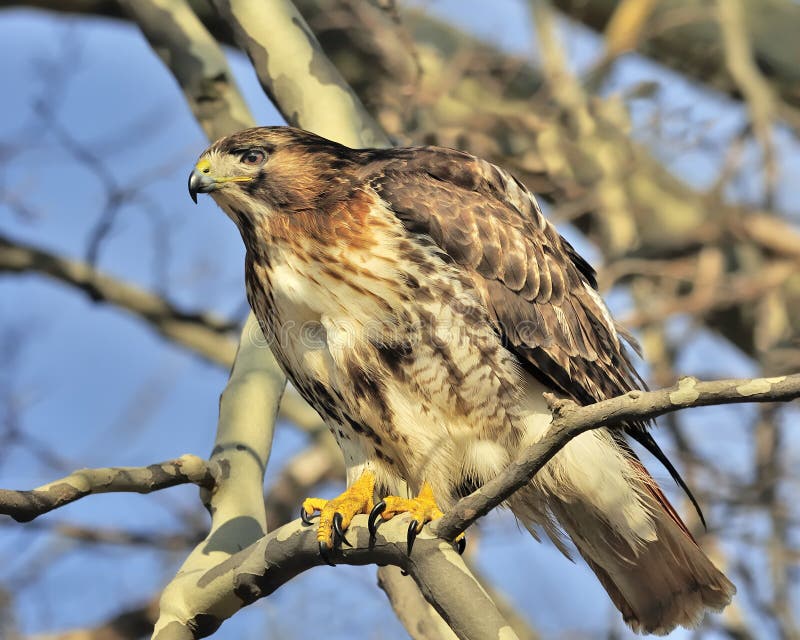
302, 82
24, 506
262, 568
249, 404
570, 420
200, 69
296, 74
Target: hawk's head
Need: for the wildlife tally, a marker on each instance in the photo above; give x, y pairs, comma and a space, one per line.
258, 171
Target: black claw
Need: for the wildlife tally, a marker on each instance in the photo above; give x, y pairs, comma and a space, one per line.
461, 544
323, 553
337, 528
412, 534
377, 510
304, 516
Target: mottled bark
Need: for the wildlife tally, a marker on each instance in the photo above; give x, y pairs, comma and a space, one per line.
296, 74
192, 55
249, 404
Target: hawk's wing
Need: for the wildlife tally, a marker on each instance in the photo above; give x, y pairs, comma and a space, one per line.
541, 295
539, 292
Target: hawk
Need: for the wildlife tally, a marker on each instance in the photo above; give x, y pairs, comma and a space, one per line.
418, 299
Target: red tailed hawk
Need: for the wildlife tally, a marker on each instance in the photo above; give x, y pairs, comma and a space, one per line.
421, 303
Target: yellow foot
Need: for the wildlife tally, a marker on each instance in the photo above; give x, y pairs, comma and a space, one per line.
423, 509
336, 515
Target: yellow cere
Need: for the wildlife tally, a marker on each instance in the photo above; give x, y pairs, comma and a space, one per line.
203, 166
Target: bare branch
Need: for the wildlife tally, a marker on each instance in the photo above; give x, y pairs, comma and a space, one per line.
308, 90
27, 505
242, 447
570, 420
683, 35
114, 536
203, 333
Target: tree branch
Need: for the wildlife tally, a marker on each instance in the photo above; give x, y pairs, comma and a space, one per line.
200, 70
205, 334
755, 90
266, 565
251, 398
683, 35
221, 590
24, 506
302, 82
296, 74
570, 420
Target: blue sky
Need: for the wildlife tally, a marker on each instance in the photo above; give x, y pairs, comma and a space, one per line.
101, 389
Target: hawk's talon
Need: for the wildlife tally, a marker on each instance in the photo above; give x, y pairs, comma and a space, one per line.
461, 544
323, 553
304, 516
412, 534
377, 510
336, 515
337, 529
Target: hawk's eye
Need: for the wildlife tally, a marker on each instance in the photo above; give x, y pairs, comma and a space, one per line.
252, 157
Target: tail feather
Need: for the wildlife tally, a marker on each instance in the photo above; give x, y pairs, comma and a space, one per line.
628, 533
663, 584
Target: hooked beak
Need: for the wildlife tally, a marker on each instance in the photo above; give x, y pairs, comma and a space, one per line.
200, 180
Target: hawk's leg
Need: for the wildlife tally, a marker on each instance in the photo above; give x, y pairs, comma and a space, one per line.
423, 509
336, 514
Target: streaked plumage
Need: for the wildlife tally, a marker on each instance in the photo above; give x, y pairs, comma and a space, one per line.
420, 301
